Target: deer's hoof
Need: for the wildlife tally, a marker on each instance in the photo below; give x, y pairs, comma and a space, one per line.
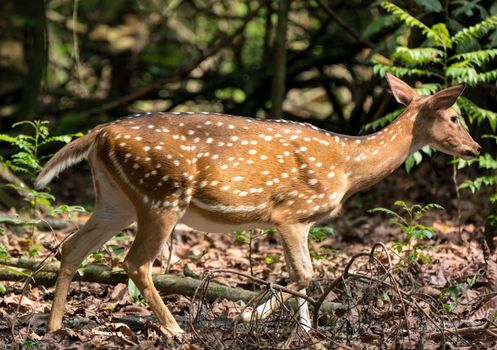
172, 332
247, 315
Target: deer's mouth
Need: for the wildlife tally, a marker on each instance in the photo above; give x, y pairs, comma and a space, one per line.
471, 152
467, 155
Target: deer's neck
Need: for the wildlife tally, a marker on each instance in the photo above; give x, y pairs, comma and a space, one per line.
370, 158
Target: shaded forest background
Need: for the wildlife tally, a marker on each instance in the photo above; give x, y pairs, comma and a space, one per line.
81, 63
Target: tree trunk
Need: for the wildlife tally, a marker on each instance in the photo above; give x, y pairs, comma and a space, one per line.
278, 85
36, 54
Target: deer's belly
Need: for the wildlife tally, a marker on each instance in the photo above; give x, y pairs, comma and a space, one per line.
201, 221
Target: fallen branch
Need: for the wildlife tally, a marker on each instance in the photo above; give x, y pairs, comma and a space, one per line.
467, 332
168, 284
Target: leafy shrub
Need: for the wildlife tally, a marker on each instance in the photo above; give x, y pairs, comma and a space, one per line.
26, 162
443, 60
407, 218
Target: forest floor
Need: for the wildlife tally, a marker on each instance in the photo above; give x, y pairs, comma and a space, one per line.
426, 294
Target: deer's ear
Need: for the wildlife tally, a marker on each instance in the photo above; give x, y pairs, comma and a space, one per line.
446, 98
402, 92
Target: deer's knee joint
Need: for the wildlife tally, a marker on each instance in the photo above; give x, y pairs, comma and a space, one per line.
130, 269
136, 273
303, 280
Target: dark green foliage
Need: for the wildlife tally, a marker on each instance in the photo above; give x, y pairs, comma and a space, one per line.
27, 162
441, 59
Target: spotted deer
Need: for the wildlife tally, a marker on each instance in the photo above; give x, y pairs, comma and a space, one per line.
221, 173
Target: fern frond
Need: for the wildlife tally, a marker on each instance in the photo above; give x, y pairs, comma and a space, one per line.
418, 56
487, 77
463, 72
427, 208
381, 69
410, 20
476, 31
442, 35
476, 113
479, 57
428, 89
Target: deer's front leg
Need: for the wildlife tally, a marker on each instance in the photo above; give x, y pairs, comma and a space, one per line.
294, 240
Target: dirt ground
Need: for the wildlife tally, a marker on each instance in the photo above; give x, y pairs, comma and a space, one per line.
441, 298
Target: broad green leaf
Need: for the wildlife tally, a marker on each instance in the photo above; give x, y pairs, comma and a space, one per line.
443, 36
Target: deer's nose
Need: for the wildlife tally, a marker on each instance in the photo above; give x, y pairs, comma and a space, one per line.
478, 149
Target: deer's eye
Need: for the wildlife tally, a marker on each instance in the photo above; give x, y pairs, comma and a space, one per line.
454, 119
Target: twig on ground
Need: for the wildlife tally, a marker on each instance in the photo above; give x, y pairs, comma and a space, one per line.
332, 286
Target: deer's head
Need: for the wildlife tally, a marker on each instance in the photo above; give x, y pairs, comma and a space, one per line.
436, 123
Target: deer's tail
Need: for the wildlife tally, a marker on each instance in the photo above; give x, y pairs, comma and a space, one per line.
66, 157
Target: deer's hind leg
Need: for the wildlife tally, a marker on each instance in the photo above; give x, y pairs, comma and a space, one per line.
154, 227
113, 212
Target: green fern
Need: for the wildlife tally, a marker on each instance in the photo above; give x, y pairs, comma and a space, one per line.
410, 20
418, 56
428, 89
381, 69
381, 122
478, 114
476, 31
478, 58
434, 60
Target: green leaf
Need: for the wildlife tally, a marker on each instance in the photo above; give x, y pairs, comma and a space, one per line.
418, 56
422, 234
381, 69
133, 290
428, 208
478, 58
476, 31
7, 138
381, 122
409, 164
377, 25
428, 89
17, 220
442, 35
66, 209
418, 157
14, 270
386, 211
430, 5
61, 138
410, 20
413, 160
477, 113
